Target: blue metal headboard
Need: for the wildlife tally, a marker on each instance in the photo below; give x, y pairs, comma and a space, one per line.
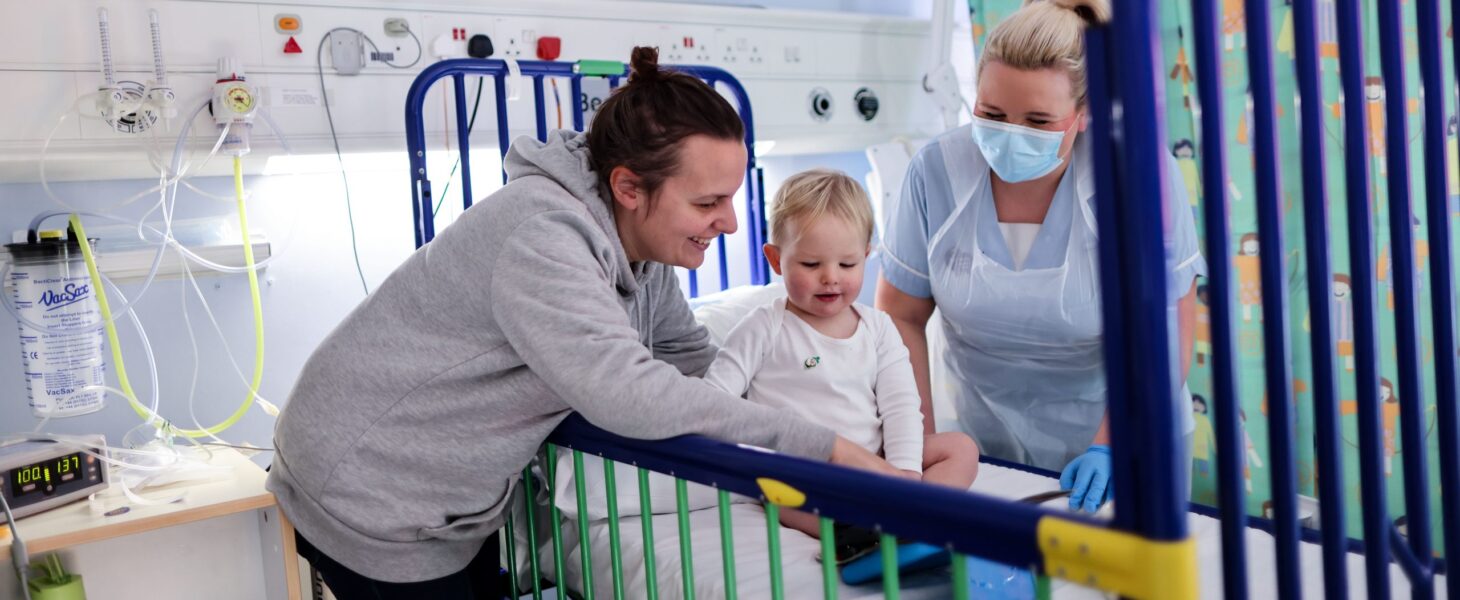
459, 69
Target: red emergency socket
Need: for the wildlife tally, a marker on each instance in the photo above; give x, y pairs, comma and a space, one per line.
549, 47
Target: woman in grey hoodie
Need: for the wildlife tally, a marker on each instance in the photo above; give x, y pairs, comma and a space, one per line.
407, 430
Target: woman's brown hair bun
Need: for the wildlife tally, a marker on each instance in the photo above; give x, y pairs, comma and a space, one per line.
644, 65
642, 123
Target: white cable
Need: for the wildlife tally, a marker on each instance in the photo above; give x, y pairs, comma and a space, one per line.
8, 300
45, 154
146, 349
278, 133
86, 445
193, 340
263, 403
19, 556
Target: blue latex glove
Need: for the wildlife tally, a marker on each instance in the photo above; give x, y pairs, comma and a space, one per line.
1088, 476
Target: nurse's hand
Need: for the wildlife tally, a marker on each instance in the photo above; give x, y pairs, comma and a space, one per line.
847, 454
1088, 478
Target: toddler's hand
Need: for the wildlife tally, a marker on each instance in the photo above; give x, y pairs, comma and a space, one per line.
913, 475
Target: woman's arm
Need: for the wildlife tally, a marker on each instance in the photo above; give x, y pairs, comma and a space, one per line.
910, 314
1186, 325
1186, 338
554, 305
679, 339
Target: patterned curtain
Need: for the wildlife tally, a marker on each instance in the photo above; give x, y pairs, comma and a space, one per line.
1181, 114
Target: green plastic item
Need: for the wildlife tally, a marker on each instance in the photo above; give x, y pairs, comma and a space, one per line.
890, 585
54, 583
828, 560
583, 541
615, 548
686, 554
1042, 588
646, 508
727, 546
559, 573
600, 68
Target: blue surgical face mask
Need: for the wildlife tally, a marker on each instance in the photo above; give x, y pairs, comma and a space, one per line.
1017, 153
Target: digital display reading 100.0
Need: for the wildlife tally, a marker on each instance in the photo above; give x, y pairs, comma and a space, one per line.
44, 476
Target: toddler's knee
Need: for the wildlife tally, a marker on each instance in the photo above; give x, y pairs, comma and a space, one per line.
960, 446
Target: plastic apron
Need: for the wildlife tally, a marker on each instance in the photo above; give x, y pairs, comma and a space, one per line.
1023, 346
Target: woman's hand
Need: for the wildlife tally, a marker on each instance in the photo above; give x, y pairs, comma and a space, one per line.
847, 454
1088, 479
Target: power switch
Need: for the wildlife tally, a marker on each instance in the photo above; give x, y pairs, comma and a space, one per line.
288, 24
549, 47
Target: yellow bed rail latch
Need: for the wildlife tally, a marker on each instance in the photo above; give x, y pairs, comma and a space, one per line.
1118, 561
780, 493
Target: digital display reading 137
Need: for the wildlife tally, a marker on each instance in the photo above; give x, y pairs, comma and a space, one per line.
45, 476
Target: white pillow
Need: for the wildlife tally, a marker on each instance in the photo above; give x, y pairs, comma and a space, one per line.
719, 313
722, 311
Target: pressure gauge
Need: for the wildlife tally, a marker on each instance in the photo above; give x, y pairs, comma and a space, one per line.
234, 103
238, 99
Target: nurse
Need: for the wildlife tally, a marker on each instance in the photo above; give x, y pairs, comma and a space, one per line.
995, 229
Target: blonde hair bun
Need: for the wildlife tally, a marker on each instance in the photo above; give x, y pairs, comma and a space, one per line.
1046, 34
1092, 11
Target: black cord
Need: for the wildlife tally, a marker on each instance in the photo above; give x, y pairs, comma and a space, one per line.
329, 117
470, 123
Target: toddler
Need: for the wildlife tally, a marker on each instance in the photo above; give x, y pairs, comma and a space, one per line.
822, 355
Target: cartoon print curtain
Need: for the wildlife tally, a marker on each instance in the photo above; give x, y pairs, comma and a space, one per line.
1182, 120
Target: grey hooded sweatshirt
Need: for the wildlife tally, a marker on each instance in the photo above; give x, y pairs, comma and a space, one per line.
410, 424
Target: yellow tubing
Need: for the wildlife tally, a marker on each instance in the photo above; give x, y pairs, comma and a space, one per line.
258, 318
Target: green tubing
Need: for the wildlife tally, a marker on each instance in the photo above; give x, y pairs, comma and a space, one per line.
600, 68
580, 489
889, 567
646, 516
511, 544
828, 559
1042, 589
727, 545
614, 551
532, 532
557, 518
686, 554
773, 537
960, 577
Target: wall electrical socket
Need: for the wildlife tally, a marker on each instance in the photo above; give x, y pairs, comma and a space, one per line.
397, 27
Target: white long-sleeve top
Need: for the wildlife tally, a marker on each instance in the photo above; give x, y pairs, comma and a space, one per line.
861, 387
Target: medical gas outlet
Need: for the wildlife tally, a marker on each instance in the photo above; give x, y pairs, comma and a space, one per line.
235, 102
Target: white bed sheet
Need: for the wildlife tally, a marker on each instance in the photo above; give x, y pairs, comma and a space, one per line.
1261, 553
800, 569
802, 572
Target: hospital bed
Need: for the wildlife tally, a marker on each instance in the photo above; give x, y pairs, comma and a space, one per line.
1152, 545
800, 553
803, 570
